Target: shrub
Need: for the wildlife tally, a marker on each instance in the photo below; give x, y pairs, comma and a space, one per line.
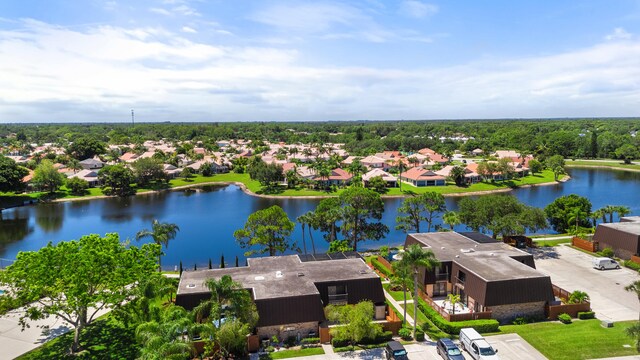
585, 315
405, 333
77, 186
481, 326
381, 338
290, 341
419, 334
606, 252
310, 340
383, 269
631, 265
270, 349
565, 318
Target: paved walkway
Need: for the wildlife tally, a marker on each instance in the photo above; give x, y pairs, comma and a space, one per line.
396, 305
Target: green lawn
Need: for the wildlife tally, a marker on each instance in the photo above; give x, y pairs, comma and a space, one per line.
617, 164
552, 242
583, 339
397, 295
9, 199
286, 354
429, 328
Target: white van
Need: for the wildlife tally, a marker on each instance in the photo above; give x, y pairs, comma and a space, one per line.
476, 345
603, 263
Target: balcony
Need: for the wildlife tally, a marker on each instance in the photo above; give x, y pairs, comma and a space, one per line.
442, 277
338, 299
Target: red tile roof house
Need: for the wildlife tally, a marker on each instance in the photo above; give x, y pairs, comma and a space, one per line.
290, 292
434, 156
470, 176
422, 177
338, 177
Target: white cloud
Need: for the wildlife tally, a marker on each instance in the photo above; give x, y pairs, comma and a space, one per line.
417, 9
188, 29
618, 34
161, 11
57, 74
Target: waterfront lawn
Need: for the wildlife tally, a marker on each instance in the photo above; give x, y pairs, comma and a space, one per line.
582, 339
612, 164
286, 354
556, 242
397, 295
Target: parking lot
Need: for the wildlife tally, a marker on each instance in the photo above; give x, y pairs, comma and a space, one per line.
510, 347
571, 270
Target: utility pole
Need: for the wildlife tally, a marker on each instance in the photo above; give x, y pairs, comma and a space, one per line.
132, 118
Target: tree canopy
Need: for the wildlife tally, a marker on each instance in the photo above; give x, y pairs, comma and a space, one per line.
117, 180
47, 177
361, 214
562, 209
266, 232
500, 214
74, 280
11, 175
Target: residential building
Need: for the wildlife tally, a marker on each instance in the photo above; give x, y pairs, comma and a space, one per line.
391, 180
290, 292
418, 176
90, 176
622, 237
91, 164
489, 276
337, 176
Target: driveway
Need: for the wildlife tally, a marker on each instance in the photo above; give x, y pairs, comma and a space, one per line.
571, 270
510, 347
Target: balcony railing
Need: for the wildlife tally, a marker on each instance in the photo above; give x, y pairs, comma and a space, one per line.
459, 281
338, 298
440, 277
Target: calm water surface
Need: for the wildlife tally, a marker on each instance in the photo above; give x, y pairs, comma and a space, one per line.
207, 218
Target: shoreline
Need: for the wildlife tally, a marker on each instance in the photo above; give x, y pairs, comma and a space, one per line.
601, 167
246, 190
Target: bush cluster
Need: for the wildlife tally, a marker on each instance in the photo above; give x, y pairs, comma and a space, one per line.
631, 265
565, 318
310, 340
383, 269
482, 326
405, 333
383, 337
585, 315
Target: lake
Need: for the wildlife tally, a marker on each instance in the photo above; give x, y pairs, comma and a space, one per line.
208, 217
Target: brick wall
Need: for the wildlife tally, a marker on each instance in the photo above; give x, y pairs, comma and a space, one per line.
571, 309
506, 313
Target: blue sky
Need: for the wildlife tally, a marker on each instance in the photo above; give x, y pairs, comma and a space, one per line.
244, 60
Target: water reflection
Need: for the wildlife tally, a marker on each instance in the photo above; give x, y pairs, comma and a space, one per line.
49, 217
15, 227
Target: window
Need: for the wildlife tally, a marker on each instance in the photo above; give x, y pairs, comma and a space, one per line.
461, 277
337, 294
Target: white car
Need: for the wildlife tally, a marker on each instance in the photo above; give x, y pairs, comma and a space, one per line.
603, 263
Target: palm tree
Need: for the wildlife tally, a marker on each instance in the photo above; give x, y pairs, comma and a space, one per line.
302, 219
576, 214
598, 214
622, 211
457, 175
634, 287
453, 300
402, 278
415, 258
164, 339
356, 168
226, 296
578, 297
161, 233
451, 218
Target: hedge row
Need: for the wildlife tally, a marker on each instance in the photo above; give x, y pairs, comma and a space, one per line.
631, 265
383, 337
383, 269
584, 315
482, 326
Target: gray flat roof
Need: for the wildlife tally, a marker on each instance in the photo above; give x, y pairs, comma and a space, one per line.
447, 245
280, 276
631, 227
497, 267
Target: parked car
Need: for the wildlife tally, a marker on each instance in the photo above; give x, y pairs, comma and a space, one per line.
448, 350
476, 345
603, 263
394, 350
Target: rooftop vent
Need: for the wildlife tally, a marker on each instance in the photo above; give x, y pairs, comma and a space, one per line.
300, 274
258, 278
279, 274
191, 286
442, 248
467, 250
363, 271
457, 256
492, 254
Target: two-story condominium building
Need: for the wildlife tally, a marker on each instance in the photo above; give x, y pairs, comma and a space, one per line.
290, 292
487, 274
